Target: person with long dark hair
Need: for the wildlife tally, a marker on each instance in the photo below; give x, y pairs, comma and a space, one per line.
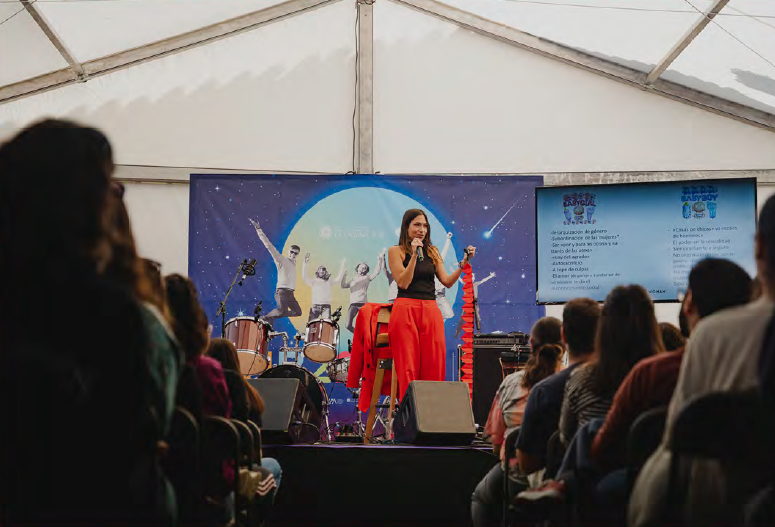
416, 329
246, 402
78, 409
508, 406
627, 332
206, 393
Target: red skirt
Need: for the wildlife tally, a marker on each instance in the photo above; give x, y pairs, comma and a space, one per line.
416, 333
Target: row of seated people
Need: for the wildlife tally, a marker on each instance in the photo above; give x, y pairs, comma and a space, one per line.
210, 385
97, 354
576, 439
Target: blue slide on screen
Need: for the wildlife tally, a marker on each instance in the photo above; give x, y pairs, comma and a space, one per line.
592, 238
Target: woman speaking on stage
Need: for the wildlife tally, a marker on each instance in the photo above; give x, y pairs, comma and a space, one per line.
416, 328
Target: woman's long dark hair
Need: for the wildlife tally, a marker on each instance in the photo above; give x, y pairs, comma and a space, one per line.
224, 351
55, 205
188, 318
672, 338
125, 266
544, 361
546, 339
626, 333
406, 243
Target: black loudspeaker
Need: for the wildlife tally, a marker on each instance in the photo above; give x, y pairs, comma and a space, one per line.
435, 413
290, 415
487, 371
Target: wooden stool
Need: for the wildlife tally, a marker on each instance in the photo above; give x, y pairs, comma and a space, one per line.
381, 341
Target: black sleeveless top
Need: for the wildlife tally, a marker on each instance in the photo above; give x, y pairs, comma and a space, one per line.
422, 286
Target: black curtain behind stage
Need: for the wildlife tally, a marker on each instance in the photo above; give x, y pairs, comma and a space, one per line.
390, 486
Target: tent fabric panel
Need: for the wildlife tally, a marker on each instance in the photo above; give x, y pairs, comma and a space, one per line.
636, 33
716, 62
159, 216
97, 29
488, 107
236, 103
26, 51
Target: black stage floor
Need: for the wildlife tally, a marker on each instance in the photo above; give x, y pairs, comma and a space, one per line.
379, 485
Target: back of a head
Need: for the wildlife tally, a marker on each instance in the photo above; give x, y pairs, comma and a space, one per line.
158, 297
224, 351
765, 233
547, 330
579, 324
55, 201
188, 318
546, 338
672, 338
545, 360
627, 332
718, 284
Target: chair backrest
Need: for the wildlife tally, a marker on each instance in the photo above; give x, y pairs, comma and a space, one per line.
732, 427
257, 441
555, 451
383, 319
181, 461
220, 456
644, 437
510, 442
245, 442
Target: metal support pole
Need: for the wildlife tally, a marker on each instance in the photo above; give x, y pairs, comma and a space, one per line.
364, 54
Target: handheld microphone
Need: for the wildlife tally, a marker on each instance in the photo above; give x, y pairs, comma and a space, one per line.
248, 269
420, 255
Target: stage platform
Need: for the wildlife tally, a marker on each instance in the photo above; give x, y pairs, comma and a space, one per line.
333, 485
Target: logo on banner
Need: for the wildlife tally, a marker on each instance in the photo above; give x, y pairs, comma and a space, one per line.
699, 201
579, 208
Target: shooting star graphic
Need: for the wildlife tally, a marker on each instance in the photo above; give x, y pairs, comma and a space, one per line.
488, 234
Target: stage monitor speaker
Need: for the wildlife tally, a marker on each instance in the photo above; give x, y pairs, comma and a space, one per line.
290, 415
435, 413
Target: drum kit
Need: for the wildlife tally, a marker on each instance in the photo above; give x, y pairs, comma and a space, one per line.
251, 336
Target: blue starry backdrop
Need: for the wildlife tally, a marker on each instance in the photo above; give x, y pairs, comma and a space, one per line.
354, 219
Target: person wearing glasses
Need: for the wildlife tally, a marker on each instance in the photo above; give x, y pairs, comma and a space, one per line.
287, 305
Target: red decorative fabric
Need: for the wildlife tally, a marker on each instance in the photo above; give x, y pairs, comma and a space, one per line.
467, 349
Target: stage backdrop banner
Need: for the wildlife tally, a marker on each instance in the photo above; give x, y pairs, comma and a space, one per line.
344, 224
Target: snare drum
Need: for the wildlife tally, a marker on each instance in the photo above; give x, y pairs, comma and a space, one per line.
337, 369
321, 340
251, 339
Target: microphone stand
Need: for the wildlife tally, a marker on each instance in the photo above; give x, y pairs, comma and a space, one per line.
222, 304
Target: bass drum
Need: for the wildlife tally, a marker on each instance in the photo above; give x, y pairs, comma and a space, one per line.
315, 389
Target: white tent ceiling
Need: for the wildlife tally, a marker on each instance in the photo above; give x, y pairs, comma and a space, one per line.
733, 58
